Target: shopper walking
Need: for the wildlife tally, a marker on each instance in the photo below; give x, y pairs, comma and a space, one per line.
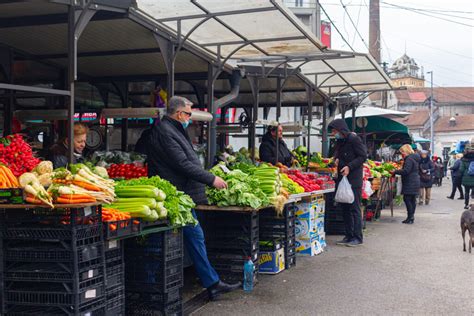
456, 178
439, 171
172, 157
467, 171
350, 155
452, 160
426, 177
268, 147
410, 180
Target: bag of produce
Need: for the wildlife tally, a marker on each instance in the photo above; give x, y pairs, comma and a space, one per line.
344, 192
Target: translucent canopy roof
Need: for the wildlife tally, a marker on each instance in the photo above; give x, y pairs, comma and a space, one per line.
237, 28
240, 32
356, 74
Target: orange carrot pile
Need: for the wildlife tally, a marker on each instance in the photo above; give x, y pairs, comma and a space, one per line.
74, 199
7, 179
113, 215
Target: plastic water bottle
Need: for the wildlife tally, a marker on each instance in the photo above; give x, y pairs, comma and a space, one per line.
249, 269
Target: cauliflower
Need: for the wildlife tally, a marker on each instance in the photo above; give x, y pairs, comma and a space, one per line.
101, 172
44, 167
45, 179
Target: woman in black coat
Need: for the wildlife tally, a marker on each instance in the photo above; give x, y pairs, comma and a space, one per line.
410, 180
268, 148
426, 177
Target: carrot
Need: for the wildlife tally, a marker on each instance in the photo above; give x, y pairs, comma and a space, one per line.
76, 196
76, 201
86, 185
33, 200
13, 180
4, 178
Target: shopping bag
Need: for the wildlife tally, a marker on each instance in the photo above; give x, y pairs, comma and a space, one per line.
367, 190
399, 185
344, 192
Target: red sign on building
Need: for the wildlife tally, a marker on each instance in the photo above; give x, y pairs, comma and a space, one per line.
326, 33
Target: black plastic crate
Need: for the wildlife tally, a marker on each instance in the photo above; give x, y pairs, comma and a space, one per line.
236, 243
219, 255
152, 273
140, 308
334, 228
45, 233
286, 227
233, 220
94, 308
54, 294
167, 244
212, 233
121, 229
115, 301
113, 250
52, 252
52, 272
57, 217
115, 273
162, 298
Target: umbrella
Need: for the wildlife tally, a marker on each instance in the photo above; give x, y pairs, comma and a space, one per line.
420, 140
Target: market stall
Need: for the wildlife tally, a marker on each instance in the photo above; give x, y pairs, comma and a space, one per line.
63, 67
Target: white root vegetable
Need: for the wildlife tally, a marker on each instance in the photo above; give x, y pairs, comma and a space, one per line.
27, 178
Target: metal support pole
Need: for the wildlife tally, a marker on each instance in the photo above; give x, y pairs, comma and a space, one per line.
10, 103
72, 62
125, 120
310, 121
325, 141
278, 114
354, 106
255, 86
212, 125
431, 116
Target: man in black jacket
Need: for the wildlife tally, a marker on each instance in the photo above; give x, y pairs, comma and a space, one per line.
350, 155
171, 156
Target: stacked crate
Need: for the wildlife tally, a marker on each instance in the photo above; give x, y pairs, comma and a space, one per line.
154, 273
232, 238
115, 278
274, 227
53, 262
334, 216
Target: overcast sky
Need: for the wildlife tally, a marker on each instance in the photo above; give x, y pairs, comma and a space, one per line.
444, 47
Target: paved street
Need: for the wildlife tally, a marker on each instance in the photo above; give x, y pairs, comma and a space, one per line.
415, 269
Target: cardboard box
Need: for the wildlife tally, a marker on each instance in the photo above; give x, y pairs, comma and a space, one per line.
271, 262
309, 247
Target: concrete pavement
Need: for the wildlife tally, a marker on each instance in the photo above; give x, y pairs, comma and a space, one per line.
401, 269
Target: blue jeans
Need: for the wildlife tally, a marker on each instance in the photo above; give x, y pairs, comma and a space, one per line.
194, 243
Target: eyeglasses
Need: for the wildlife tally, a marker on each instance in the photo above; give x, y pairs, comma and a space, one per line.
187, 113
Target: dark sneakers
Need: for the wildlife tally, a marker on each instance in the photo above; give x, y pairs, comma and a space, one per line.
354, 243
343, 242
220, 288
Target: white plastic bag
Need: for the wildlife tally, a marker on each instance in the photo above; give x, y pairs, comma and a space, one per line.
344, 192
367, 187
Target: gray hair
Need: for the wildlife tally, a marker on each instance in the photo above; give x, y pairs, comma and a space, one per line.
177, 103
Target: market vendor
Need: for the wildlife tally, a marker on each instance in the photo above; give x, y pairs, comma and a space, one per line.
171, 156
268, 147
58, 152
350, 155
